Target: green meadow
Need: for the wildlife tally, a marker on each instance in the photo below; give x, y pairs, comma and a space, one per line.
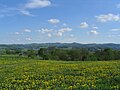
26, 74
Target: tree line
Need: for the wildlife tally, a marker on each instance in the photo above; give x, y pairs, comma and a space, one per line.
79, 54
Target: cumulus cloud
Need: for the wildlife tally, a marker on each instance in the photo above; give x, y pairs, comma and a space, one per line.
59, 34
54, 21
84, 25
95, 28
45, 30
49, 35
108, 17
37, 4
93, 32
27, 30
63, 30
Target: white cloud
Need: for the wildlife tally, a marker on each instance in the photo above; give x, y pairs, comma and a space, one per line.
28, 39
95, 28
27, 13
27, 30
93, 32
17, 33
59, 34
54, 21
23, 9
65, 29
37, 4
64, 24
84, 25
115, 29
108, 17
45, 30
34, 4
49, 35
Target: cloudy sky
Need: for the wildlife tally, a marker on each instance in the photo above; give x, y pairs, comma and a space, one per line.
48, 21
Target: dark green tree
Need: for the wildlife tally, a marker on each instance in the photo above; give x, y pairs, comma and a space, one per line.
31, 53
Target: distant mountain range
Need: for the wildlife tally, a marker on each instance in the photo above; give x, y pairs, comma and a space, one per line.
60, 45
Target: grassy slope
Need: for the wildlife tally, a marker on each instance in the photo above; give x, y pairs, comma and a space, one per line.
20, 73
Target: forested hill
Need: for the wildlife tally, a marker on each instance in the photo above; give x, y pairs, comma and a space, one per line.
61, 45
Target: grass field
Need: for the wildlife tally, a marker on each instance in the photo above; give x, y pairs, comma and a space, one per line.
25, 74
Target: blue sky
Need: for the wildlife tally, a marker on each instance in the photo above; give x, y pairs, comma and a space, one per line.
65, 21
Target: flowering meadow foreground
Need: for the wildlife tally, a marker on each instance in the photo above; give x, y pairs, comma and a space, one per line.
27, 74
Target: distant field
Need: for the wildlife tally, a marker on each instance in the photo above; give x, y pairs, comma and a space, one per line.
24, 74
